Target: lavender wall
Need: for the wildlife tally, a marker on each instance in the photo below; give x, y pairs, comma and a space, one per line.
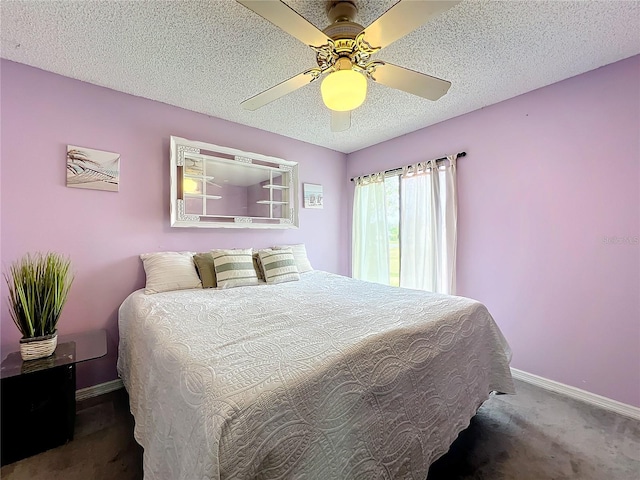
103, 232
549, 222
549, 196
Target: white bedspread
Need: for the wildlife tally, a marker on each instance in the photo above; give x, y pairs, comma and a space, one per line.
325, 378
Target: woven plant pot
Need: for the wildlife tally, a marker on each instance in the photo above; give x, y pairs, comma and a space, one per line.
38, 347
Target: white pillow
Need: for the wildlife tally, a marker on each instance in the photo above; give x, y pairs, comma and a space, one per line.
168, 271
234, 268
300, 255
278, 266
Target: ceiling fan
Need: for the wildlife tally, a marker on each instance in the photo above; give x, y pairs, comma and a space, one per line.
344, 50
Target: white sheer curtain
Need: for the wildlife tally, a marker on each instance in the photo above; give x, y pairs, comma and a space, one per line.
370, 243
428, 226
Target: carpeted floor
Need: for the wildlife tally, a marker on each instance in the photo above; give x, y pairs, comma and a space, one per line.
535, 435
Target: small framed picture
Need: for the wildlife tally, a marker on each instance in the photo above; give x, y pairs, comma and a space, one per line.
313, 197
95, 169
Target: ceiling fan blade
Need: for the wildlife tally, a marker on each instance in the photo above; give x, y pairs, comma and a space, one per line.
284, 17
410, 81
404, 17
340, 121
280, 90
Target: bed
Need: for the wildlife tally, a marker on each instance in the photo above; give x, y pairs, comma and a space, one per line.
323, 378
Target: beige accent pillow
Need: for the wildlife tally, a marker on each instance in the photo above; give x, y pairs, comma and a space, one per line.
168, 271
300, 255
258, 266
205, 268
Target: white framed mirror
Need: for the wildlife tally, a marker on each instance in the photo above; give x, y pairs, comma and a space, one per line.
221, 187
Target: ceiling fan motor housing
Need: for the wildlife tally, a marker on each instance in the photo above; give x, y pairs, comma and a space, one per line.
342, 14
341, 10
343, 30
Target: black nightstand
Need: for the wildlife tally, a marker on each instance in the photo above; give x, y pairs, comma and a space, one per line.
39, 396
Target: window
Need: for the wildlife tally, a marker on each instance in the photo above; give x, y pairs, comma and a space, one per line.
404, 227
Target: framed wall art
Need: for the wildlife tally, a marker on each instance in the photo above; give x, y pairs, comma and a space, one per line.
313, 197
93, 169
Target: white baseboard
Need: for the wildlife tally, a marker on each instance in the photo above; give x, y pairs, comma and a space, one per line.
100, 389
578, 394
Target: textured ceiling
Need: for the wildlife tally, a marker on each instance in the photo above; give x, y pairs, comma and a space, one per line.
209, 56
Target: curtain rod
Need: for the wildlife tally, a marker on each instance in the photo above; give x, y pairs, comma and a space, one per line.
399, 169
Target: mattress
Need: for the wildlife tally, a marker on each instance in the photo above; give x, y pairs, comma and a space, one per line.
323, 378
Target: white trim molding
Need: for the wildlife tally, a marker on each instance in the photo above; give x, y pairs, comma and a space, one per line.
578, 394
100, 389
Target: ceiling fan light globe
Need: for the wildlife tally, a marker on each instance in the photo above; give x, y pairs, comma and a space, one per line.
344, 90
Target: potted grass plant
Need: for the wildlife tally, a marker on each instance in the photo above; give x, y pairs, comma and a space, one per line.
38, 287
